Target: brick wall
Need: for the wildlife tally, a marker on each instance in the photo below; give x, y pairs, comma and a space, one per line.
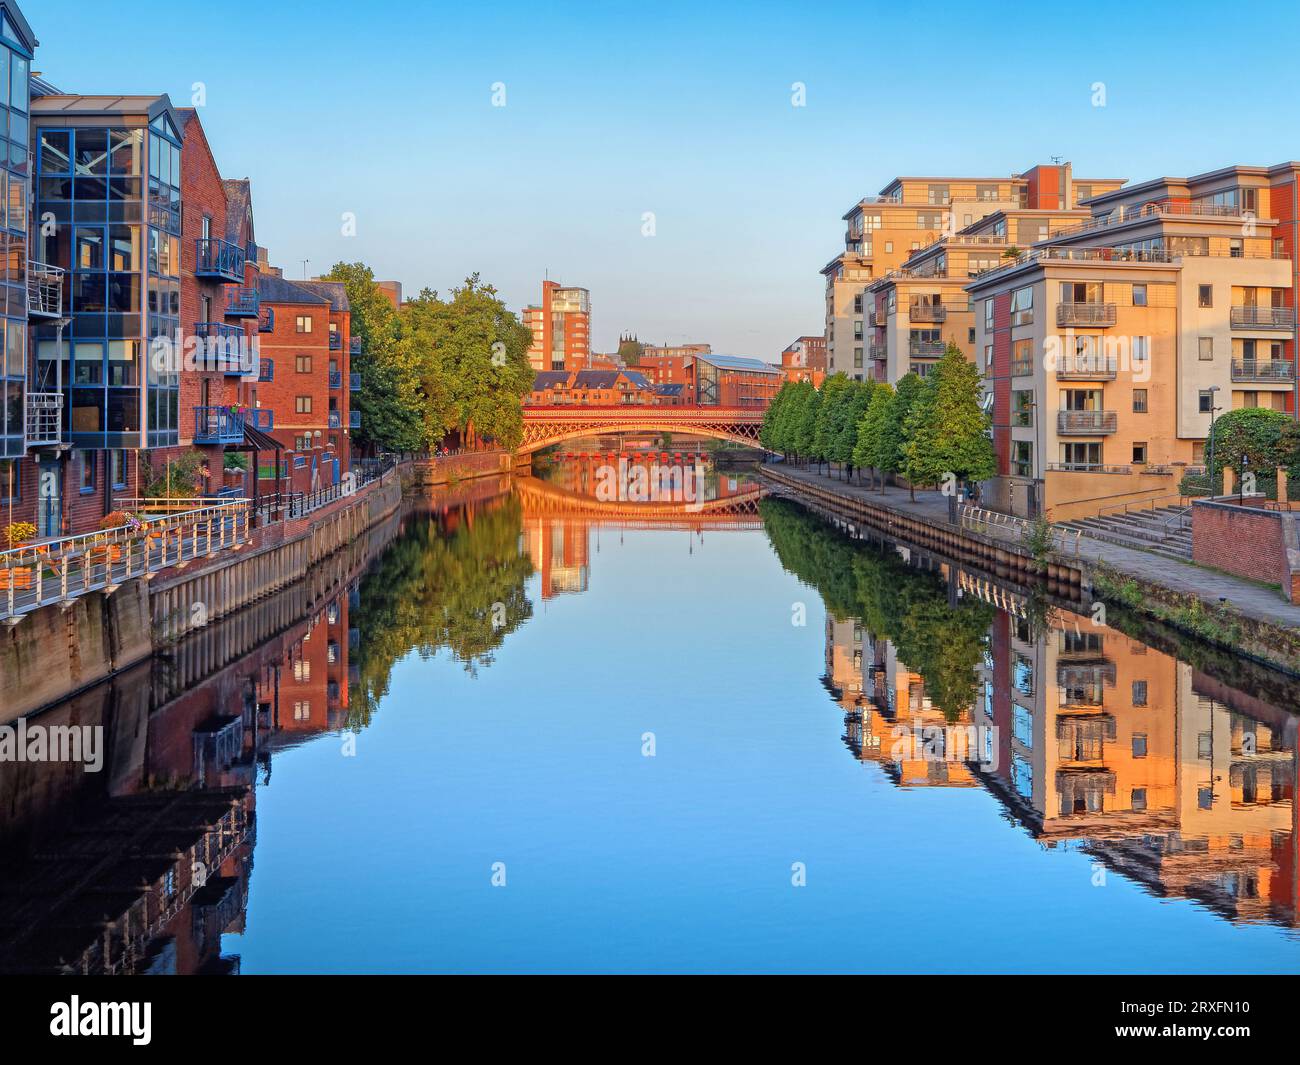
1245, 541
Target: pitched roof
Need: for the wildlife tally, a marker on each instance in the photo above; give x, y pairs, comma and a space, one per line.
334, 291
277, 290
550, 379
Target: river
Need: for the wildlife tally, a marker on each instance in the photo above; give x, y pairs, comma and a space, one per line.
536, 731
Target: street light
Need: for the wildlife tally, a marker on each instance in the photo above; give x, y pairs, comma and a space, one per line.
1213, 411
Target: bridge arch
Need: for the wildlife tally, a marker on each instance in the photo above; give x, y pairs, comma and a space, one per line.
545, 426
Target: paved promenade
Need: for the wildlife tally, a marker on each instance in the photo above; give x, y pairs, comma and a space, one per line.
1253, 600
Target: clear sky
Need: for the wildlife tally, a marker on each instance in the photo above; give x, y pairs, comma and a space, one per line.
384, 109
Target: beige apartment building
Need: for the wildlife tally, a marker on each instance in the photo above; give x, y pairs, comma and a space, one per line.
1107, 348
920, 308
910, 214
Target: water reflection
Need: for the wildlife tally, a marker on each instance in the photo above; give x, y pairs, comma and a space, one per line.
1164, 772
1087, 736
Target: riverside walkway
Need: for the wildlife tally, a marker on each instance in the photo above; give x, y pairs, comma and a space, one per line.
1256, 601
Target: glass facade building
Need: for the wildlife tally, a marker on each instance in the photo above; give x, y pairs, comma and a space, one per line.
108, 204
16, 49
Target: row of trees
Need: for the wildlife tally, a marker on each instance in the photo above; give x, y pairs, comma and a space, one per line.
924, 430
436, 368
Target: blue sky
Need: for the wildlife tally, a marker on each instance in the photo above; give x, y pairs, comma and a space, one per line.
384, 109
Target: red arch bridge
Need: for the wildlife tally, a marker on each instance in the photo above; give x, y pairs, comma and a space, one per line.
547, 425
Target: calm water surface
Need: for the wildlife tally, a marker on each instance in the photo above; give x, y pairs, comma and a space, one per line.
651, 727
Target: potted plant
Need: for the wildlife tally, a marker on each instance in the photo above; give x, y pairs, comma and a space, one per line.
17, 534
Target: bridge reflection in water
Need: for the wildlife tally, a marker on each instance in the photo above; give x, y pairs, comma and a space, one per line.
1172, 777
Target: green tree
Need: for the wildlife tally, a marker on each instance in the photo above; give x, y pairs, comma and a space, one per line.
847, 419
889, 453
834, 391
802, 432
768, 434
947, 429
390, 401
871, 429
1257, 435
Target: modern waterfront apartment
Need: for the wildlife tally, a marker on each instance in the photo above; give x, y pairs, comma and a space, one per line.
910, 214
1108, 348
561, 327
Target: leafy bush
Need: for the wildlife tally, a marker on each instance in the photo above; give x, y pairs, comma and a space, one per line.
19, 532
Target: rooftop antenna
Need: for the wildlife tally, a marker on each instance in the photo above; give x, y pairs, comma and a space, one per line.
1056, 159
304, 268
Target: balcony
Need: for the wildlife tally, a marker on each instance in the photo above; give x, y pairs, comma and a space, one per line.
261, 418
880, 319
354, 419
1095, 675
927, 312
335, 420
44, 291
1263, 370
1022, 367
266, 371
877, 351
1085, 314
44, 418
266, 321
244, 302
1086, 467
218, 425
336, 342
1086, 422
925, 349
1263, 318
223, 347
354, 346
219, 260
1087, 368
336, 379
354, 382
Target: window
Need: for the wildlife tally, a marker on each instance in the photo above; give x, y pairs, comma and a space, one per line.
87, 471
1022, 458
1081, 193
857, 303
1205, 348
988, 314
10, 482
302, 404
1139, 401
985, 193
1206, 399
1205, 296
1081, 455
1205, 797
1140, 454
207, 227
938, 195
889, 246
1139, 745
1139, 693
1235, 248
1141, 351
929, 219
857, 358
1022, 306
303, 323
117, 469
1022, 409
1205, 746
303, 363
1139, 295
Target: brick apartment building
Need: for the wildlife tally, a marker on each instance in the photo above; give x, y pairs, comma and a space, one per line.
804, 359
561, 328
130, 335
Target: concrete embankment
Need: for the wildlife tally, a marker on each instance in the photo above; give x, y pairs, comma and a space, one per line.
61, 649
1236, 615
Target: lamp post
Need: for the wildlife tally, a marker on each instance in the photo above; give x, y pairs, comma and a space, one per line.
1213, 411
1241, 480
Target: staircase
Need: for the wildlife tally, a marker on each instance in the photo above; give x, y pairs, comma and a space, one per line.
1165, 531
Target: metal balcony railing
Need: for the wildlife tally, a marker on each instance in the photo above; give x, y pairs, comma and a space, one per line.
1086, 422
1086, 467
217, 425
354, 346
219, 259
266, 371
354, 419
877, 351
335, 419
1263, 318
44, 290
243, 302
927, 312
1022, 367
354, 382
44, 418
336, 342
224, 348
1087, 368
261, 418
1263, 370
1096, 314
925, 348
336, 379
266, 322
